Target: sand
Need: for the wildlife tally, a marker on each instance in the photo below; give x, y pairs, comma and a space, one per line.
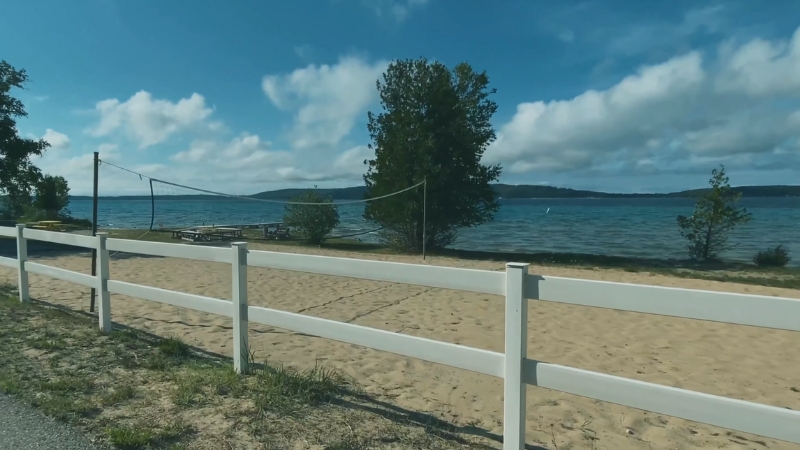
741, 362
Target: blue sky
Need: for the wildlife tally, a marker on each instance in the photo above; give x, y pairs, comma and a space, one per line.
247, 96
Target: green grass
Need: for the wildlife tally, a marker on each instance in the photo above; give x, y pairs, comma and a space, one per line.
143, 435
118, 395
134, 390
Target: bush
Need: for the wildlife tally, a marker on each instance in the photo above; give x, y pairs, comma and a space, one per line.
772, 257
312, 221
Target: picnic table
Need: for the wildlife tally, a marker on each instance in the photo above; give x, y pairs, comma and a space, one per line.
207, 234
47, 225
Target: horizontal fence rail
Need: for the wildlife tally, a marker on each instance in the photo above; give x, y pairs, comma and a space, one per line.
764, 420
62, 274
183, 300
75, 240
481, 281
198, 253
8, 262
512, 366
453, 355
726, 307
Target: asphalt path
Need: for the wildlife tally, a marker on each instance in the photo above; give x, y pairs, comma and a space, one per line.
24, 428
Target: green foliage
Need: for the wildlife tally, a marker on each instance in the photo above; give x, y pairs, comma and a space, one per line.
312, 222
772, 257
714, 216
435, 125
52, 196
18, 175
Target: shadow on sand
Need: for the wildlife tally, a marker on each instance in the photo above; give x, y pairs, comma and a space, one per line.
361, 402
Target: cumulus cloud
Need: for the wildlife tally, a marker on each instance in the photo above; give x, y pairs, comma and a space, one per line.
57, 141
350, 163
672, 113
151, 121
78, 169
398, 10
238, 164
327, 99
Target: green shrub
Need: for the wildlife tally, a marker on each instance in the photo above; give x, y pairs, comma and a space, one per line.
772, 257
312, 216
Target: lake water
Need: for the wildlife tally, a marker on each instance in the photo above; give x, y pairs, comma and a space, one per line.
624, 227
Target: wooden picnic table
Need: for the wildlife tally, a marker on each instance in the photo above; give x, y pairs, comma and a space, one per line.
207, 234
46, 224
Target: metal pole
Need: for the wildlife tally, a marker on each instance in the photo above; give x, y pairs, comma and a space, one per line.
424, 214
152, 205
94, 227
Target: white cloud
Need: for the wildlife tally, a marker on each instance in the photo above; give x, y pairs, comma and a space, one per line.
237, 165
78, 169
399, 10
350, 163
57, 141
566, 36
761, 68
151, 121
327, 99
673, 114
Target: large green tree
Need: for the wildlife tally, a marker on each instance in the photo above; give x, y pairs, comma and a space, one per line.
714, 216
435, 126
18, 175
52, 196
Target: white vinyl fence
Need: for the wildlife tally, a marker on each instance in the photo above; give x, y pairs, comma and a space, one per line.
515, 284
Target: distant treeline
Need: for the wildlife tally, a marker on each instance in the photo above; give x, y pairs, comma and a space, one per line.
503, 190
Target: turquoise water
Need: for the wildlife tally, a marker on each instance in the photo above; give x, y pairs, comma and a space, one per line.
624, 227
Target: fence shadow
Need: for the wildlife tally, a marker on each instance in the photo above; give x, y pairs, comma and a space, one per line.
361, 402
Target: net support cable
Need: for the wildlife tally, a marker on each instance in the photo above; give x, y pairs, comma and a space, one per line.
246, 197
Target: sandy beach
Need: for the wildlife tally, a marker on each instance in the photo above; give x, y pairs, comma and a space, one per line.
742, 362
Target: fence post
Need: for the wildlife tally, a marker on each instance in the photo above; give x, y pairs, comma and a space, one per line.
241, 353
103, 274
514, 392
22, 256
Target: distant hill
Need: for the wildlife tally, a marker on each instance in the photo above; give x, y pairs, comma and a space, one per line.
503, 190
537, 191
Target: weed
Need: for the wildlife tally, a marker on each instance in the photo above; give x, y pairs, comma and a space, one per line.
68, 385
118, 395
142, 434
8, 384
174, 347
64, 408
130, 437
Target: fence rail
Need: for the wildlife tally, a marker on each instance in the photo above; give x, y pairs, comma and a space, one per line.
515, 284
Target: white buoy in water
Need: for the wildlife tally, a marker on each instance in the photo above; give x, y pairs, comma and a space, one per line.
548, 210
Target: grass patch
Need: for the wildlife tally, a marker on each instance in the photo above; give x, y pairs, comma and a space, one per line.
173, 347
133, 390
118, 395
8, 384
143, 435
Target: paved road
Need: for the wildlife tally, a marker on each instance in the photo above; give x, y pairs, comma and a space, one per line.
24, 428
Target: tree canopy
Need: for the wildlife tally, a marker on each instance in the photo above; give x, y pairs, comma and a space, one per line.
714, 216
52, 196
435, 126
18, 175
